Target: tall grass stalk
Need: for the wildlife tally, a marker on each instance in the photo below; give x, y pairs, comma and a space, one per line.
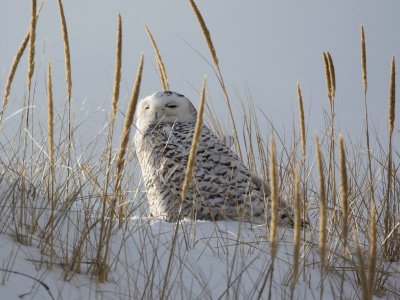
117, 70
274, 222
195, 144
68, 80
302, 125
160, 63
372, 250
217, 71
344, 194
126, 132
32, 39
274, 217
344, 190
392, 245
67, 55
360, 266
303, 162
331, 85
120, 162
14, 66
31, 66
273, 226
185, 185
323, 214
11, 73
101, 263
367, 135
51, 159
297, 229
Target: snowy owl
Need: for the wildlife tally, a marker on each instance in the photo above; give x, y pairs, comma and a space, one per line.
222, 186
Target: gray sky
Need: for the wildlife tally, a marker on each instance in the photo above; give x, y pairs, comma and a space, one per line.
264, 48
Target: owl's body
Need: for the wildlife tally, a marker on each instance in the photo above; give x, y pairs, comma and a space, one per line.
221, 188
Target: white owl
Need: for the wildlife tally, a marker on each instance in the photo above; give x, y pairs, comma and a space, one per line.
222, 187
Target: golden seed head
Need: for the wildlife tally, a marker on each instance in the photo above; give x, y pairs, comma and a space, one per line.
13, 69
67, 55
363, 60
332, 76
128, 121
14, 65
195, 143
327, 76
160, 63
302, 124
392, 95
117, 71
274, 196
206, 32
32, 39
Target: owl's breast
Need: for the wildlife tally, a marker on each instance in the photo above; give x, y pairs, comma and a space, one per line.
161, 146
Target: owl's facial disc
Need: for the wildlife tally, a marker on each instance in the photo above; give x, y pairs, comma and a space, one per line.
162, 111
165, 107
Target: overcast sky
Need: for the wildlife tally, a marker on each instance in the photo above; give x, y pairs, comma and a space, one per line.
264, 48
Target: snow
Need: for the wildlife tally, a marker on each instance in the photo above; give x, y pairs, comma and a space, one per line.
211, 260
209, 257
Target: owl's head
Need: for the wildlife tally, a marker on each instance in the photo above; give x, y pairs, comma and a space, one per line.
164, 107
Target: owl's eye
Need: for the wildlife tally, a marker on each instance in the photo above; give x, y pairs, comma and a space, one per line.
171, 105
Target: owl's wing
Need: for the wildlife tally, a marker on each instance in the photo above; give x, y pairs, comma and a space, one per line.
261, 184
219, 170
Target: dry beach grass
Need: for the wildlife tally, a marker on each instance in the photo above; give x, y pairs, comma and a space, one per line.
79, 211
